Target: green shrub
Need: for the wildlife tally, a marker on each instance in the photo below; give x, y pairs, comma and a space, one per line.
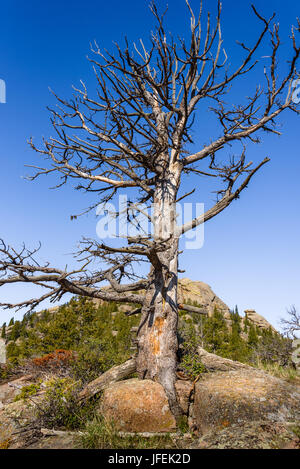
60, 407
28, 391
93, 357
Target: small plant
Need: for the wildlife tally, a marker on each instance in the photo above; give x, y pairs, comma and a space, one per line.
192, 365
28, 391
182, 424
190, 361
296, 429
6, 371
102, 434
4, 444
60, 407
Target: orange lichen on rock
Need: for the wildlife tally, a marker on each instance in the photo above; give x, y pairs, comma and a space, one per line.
137, 406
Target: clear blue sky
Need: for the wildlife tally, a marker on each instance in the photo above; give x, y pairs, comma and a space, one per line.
251, 251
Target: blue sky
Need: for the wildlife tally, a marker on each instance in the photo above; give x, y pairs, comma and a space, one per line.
251, 252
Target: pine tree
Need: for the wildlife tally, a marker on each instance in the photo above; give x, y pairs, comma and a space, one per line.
246, 324
216, 333
252, 336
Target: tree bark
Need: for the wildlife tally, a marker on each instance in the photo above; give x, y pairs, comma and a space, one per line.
157, 334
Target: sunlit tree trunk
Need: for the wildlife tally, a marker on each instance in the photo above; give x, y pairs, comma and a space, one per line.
157, 335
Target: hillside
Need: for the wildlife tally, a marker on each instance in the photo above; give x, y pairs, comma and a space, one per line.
105, 327
189, 292
59, 356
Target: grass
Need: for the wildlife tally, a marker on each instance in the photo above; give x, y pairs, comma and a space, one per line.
287, 373
296, 429
102, 434
4, 438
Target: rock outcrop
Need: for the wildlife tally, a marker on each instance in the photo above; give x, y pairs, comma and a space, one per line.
214, 362
201, 293
241, 396
254, 435
10, 389
191, 291
258, 320
138, 406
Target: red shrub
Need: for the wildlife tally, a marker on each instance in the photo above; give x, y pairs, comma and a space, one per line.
55, 361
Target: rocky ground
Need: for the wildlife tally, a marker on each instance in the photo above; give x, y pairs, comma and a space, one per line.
240, 408
232, 405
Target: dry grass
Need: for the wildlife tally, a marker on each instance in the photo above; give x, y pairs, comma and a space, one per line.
4, 438
287, 373
102, 434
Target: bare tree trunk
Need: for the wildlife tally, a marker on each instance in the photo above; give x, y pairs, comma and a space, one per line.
157, 334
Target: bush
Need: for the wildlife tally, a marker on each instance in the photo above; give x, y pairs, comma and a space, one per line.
60, 408
92, 359
272, 348
58, 362
6, 371
28, 391
190, 362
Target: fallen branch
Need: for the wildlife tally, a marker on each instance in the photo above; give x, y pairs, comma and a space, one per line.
151, 435
189, 308
215, 363
135, 311
52, 432
192, 309
111, 376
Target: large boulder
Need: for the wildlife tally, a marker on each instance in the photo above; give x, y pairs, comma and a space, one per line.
241, 396
137, 406
254, 435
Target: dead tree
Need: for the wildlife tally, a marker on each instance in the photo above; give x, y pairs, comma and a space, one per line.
291, 324
134, 134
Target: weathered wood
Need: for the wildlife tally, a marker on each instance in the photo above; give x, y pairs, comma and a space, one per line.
154, 434
52, 432
135, 311
111, 376
189, 308
215, 363
192, 309
157, 335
